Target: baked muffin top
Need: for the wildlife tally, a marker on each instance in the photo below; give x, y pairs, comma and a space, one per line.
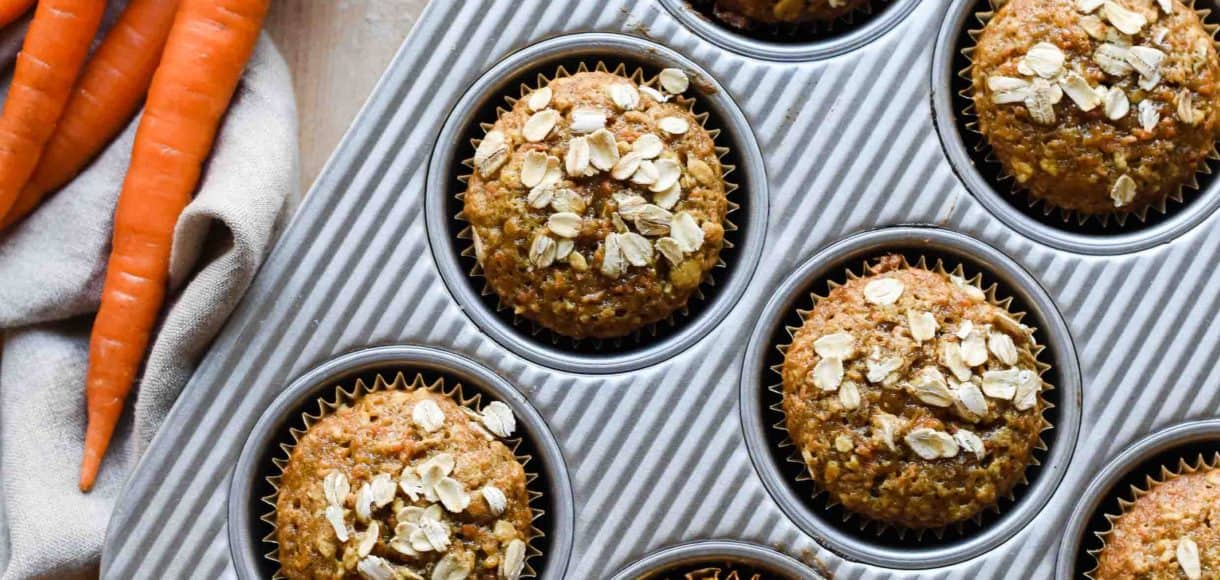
744, 13
1170, 532
597, 205
1097, 106
913, 399
404, 484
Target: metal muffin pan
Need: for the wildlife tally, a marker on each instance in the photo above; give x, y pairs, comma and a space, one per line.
889, 549
657, 456
249, 487
544, 58
717, 552
1145, 457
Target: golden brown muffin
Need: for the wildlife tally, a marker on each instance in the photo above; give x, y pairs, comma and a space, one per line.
597, 205
912, 399
1173, 531
404, 484
1098, 106
744, 13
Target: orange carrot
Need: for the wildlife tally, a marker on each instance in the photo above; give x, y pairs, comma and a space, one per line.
50, 58
108, 94
11, 10
208, 47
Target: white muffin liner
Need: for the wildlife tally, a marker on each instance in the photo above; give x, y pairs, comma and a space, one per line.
1134, 493
345, 397
865, 523
679, 316
967, 118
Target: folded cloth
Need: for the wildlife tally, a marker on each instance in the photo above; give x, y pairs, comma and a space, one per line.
51, 272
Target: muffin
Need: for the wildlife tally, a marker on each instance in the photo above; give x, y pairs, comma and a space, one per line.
597, 205
912, 399
746, 13
404, 484
1098, 106
1168, 532
704, 571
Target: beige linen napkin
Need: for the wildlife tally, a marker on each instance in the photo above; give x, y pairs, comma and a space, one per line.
51, 272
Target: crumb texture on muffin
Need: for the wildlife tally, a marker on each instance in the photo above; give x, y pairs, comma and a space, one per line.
1098, 106
404, 484
913, 399
1170, 532
597, 205
746, 13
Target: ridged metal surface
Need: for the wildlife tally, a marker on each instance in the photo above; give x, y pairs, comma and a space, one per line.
657, 457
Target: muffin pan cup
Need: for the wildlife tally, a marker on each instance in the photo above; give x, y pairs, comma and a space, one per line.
744, 224
659, 445
702, 294
344, 381
856, 536
987, 179
1149, 458
712, 553
793, 42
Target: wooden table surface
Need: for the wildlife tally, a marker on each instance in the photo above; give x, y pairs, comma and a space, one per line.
337, 50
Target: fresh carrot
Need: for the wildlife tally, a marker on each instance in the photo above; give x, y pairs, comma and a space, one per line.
11, 10
208, 47
51, 56
108, 94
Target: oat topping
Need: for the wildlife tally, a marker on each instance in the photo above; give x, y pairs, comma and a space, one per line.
499, 419
335, 516
539, 99
849, 395
375, 568
1187, 553
883, 291
828, 374
587, 120
1123, 191
923, 326
840, 345
624, 96
428, 415
931, 388
930, 443
673, 125
1044, 60
674, 80
540, 125
514, 560
491, 153
336, 488
1126, 21
969, 402
970, 443
496, 500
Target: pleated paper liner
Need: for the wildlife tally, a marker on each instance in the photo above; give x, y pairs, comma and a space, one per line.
342, 397
644, 75
713, 570
989, 166
791, 33
1140, 480
789, 457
